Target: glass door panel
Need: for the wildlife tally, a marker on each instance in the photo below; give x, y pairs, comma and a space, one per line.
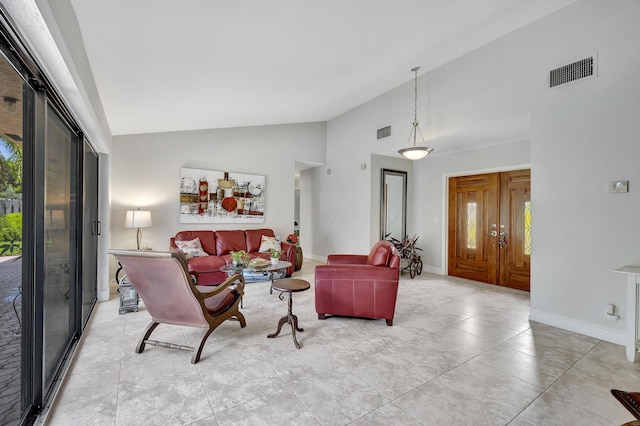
12, 92
60, 236
90, 232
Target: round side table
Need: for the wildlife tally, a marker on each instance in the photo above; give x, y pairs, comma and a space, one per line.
290, 285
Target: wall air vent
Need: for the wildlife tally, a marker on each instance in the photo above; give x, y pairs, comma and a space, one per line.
384, 132
575, 71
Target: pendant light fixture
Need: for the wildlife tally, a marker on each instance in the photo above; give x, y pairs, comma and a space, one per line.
415, 152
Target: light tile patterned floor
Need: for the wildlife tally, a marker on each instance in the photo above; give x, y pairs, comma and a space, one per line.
459, 352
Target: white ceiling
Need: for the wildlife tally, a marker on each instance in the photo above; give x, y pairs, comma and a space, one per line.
163, 65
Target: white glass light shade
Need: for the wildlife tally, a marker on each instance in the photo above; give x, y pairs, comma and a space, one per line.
415, 152
138, 219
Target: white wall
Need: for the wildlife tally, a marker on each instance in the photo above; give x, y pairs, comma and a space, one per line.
586, 135
347, 199
145, 173
580, 138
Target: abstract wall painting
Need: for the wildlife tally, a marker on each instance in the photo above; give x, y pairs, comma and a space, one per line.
210, 196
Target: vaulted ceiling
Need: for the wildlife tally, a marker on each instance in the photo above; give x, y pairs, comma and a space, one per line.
162, 65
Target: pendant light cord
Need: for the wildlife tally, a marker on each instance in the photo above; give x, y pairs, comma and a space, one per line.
415, 96
415, 152
416, 127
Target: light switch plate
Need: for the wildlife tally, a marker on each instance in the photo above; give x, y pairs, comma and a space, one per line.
618, 186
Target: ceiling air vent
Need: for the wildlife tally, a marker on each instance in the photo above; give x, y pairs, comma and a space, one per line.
384, 132
578, 70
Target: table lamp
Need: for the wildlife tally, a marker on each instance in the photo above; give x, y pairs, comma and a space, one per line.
138, 219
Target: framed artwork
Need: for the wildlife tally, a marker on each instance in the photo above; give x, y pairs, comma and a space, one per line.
210, 196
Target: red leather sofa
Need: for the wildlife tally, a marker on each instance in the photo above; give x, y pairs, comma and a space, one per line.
219, 244
359, 285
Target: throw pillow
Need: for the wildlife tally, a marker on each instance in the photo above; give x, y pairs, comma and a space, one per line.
191, 248
267, 243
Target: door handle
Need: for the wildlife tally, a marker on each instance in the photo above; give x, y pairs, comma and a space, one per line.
96, 228
493, 233
502, 240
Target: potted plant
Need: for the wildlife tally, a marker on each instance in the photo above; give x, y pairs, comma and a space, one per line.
239, 258
275, 256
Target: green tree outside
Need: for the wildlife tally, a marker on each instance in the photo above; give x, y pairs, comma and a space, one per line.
10, 165
10, 189
11, 234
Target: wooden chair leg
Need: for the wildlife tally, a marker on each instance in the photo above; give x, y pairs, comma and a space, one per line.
389, 322
321, 316
145, 336
243, 322
235, 313
212, 326
197, 352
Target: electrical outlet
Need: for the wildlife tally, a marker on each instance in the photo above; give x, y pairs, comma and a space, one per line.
610, 309
610, 312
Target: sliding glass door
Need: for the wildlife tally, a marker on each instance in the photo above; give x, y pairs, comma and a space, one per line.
48, 233
60, 225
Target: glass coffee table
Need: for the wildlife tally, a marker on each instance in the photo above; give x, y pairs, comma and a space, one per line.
268, 272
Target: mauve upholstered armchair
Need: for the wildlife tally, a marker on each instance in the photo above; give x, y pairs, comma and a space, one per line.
164, 283
359, 285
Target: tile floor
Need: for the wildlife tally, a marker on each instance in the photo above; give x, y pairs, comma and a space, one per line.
459, 352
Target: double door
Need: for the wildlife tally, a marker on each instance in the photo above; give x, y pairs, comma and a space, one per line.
490, 228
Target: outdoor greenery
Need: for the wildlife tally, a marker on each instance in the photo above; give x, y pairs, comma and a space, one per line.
10, 189
11, 234
10, 169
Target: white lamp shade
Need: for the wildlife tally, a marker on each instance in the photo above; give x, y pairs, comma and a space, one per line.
138, 219
416, 152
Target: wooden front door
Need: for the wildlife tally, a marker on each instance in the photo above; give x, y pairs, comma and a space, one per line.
490, 228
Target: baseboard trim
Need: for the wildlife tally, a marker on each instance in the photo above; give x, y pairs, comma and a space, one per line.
317, 258
103, 296
432, 269
571, 324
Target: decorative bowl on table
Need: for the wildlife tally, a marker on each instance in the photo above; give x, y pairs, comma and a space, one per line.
259, 263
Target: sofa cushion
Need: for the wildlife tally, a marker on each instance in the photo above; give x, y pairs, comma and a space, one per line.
230, 240
268, 243
191, 248
380, 253
207, 239
206, 264
254, 237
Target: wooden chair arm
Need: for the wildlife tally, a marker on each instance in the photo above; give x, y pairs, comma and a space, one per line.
208, 291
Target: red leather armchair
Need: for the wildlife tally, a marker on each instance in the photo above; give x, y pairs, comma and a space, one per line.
359, 285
